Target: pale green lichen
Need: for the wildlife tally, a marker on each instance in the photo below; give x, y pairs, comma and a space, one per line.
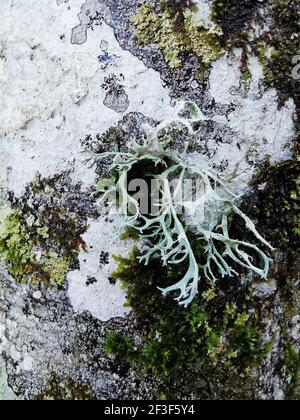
164, 233
190, 36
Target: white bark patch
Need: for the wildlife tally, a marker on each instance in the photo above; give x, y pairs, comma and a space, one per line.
51, 95
102, 299
262, 128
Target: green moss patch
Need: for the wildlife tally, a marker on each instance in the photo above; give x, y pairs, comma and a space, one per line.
207, 350
65, 390
40, 234
278, 68
275, 47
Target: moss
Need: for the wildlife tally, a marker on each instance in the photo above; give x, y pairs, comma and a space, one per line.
17, 251
129, 233
120, 347
215, 348
235, 16
176, 31
65, 390
207, 350
278, 69
20, 255
58, 223
246, 73
39, 237
276, 205
57, 267
296, 229
292, 363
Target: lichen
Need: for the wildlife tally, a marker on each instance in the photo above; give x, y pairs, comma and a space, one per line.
164, 234
177, 31
39, 238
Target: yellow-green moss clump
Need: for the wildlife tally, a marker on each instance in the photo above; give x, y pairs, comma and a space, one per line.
20, 255
15, 248
176, 33
41, 232
57, 267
